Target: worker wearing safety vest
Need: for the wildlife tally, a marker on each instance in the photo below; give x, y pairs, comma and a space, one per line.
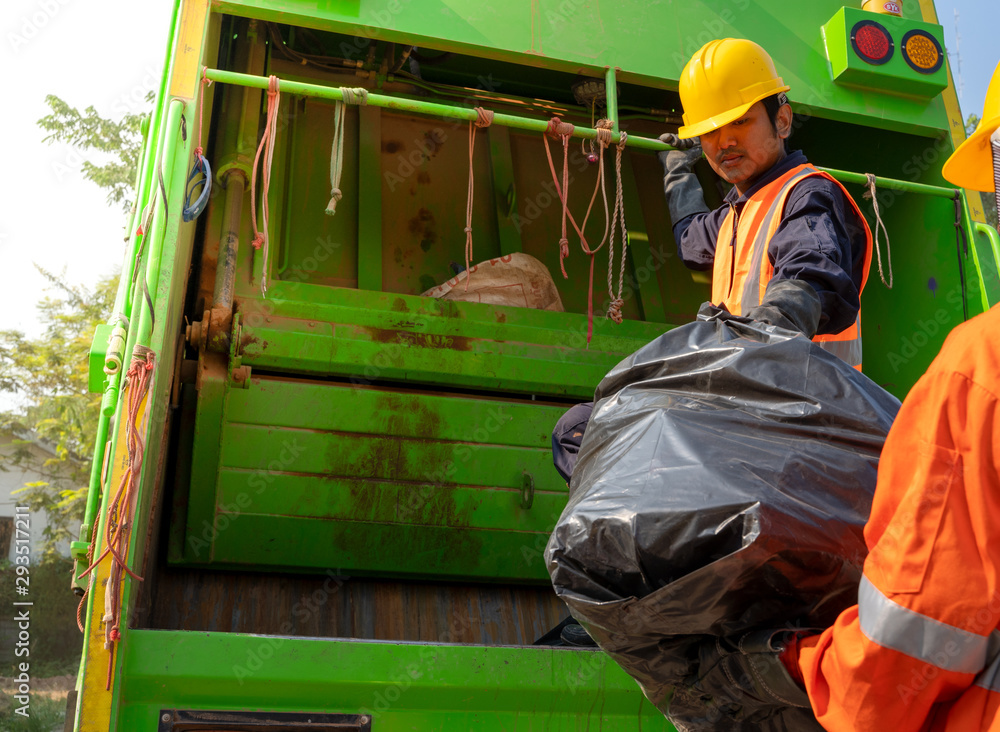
921, 649
789, 247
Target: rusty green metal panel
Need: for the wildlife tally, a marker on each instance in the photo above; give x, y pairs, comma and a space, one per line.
367, 336
400, 686
208, 425
372, 480
425, 179
304, 182
370, 204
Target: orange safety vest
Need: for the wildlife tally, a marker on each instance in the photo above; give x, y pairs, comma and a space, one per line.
741, 273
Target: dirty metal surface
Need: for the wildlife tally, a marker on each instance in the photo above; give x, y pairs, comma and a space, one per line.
314, 475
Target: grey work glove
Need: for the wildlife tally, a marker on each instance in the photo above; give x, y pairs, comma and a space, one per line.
680, 185
676, 142
745, 671
789, 304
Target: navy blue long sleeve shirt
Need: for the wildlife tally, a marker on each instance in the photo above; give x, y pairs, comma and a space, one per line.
820, 240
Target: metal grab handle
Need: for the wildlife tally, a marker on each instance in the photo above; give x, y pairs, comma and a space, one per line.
993, 237
527, 490
524, 123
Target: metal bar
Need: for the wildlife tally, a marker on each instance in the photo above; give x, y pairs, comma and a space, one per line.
966, 223
970, 229
93, 496
237, 148
905, 186
530, 125
504, 189
225, 273
611, 96
157, 230
418, 107
647, 290
991, 234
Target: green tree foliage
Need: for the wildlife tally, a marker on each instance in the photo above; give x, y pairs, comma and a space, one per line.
989, 199
54, 427
120, 142
54, 424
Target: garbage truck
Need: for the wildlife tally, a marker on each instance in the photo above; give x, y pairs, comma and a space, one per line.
350, 314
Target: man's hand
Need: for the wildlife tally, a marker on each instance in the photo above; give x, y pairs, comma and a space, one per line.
677, 143
789, 304
680, 185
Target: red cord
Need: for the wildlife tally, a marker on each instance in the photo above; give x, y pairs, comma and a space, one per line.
199, 151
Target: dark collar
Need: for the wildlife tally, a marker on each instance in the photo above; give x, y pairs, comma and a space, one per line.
791, 160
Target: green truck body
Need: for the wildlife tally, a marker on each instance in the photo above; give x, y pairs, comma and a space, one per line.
345, 488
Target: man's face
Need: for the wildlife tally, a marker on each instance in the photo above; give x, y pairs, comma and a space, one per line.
746, 148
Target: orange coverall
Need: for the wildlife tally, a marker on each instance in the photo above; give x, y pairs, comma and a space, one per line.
921, 649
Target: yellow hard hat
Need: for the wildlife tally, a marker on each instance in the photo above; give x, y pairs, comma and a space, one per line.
722, 81
971, 165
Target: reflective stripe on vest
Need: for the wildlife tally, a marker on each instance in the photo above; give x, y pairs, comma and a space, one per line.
900, 629
989, 677
741, 273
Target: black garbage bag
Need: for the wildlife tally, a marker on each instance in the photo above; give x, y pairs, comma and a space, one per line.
722, 486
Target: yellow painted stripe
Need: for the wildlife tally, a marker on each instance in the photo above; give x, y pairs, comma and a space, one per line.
955, 121
95, 702
187, 53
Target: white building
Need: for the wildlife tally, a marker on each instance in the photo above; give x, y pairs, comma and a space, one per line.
11, 480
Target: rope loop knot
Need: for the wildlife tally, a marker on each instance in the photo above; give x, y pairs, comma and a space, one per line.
615, 310
349, 95
335, 195
558, 129
357, 96
484, 117
563, 253
605, 135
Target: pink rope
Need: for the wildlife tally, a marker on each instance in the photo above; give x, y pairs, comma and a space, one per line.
267, 147
557, 128
484, 118
205, 83
561, 130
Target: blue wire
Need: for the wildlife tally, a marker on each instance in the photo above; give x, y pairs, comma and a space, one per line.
200, 167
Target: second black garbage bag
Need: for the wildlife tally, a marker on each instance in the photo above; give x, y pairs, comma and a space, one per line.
722, 486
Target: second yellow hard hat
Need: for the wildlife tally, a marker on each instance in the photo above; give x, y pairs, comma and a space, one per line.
971, 165
722, 81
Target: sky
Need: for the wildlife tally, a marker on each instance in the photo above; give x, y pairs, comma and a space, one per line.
109, 54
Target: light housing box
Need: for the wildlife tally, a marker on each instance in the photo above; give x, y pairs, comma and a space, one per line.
886, 53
